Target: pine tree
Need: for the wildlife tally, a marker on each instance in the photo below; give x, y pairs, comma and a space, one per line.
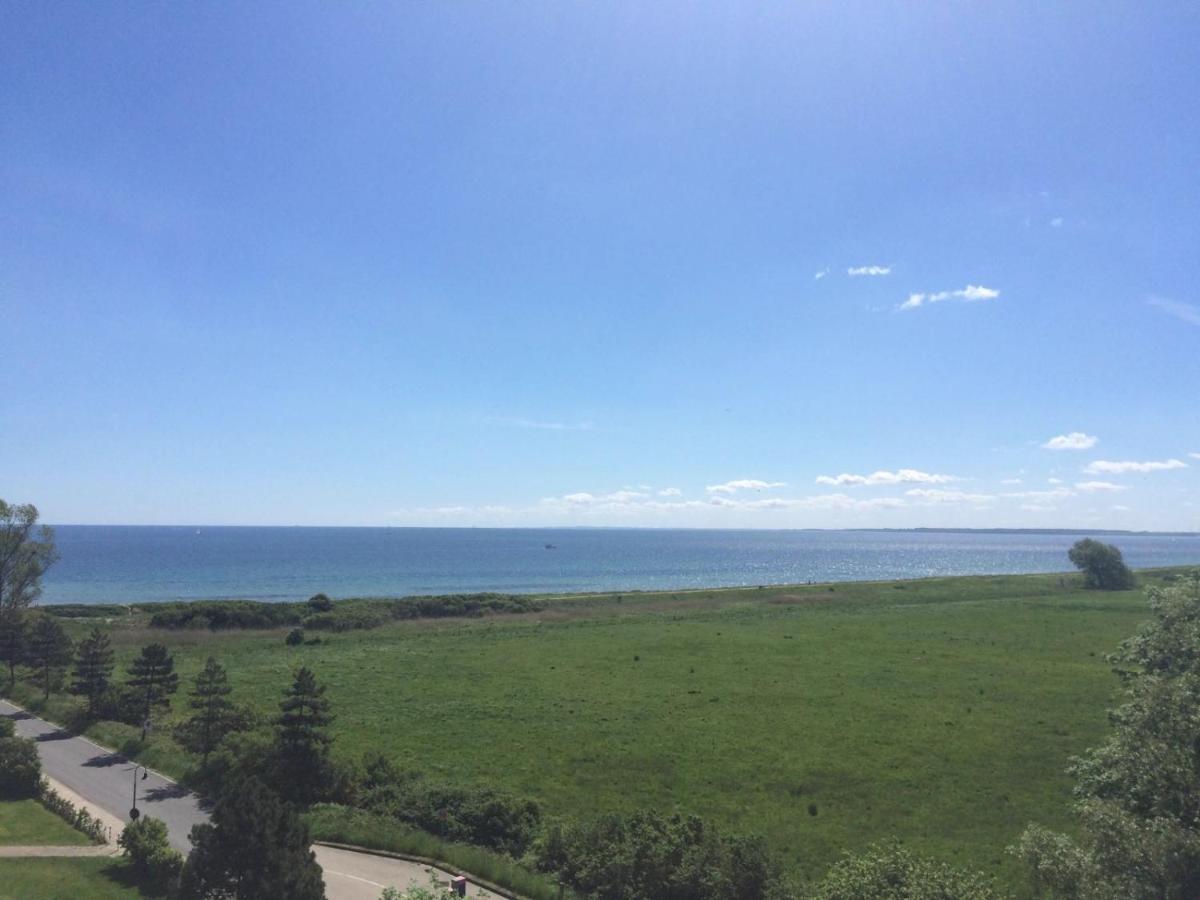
255, 847
93, 668
302, 746
215, 715
49, 652
153, 678
14, 637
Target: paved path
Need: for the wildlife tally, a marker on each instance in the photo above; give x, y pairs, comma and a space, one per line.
103, 781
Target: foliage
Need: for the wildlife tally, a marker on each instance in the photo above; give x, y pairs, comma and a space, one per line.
26, 551
149, 851
7, 729
295, 638
887, 871
651, 855
152, 675
93, 669
1138, 793
20, 769
1102, 565
303, 739
14, 641
80, 819
255, 847
49, 653
320, 603
215, 716
482, 816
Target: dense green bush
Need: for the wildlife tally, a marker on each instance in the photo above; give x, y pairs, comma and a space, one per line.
481, 816
7, 729
221, 614
154, 862
295, 637
1102, 565
20, 768
889, 872
665, 857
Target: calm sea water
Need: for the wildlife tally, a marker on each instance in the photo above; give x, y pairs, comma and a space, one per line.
138, 564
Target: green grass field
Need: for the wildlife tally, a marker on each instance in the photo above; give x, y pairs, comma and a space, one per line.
941, 711
65, 879
26, 823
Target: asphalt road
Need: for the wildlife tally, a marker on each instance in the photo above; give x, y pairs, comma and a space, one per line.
105, 780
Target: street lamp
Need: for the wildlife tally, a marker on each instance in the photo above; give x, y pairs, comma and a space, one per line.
134, 813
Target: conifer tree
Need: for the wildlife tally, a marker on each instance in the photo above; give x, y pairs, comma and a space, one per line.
255, 847
153, 678
302, 747
93, 668
14, 636
49, 652
215, 715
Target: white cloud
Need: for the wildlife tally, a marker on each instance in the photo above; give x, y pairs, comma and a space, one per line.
1010, 481
1056, 222
940, 496
518, 422
744, 484
901, 476
1119, 508
1076, 440
1194, 455
1185, 311
1108, 467
970, 294
1041, 496
1091, 487
616, 498
1055, 480
856, 271
819, 501
820, 274
670, 492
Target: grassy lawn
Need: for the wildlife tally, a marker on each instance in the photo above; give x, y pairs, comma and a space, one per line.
941, 711
27, 823
64, 879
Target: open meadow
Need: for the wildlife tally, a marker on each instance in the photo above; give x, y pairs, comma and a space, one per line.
940, 711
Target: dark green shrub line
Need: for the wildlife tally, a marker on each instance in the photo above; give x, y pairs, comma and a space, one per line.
78, 818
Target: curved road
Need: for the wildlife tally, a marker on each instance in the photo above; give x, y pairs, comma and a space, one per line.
105, 780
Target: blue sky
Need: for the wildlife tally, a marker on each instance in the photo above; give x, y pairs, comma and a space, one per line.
535, 264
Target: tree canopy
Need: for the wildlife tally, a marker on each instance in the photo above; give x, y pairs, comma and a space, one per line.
49, 652
1101, 564
93, 668
152, 675
214, 717
303, 739
26, 552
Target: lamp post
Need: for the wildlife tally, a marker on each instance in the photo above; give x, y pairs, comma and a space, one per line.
134, 813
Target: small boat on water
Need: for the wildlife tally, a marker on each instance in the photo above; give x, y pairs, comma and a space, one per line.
551, 547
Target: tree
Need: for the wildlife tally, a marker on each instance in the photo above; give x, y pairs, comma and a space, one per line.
1138, 793
93, 668
14, 636
145, 843
302, 741
255, 847
887, 871
49, 652
153, 679
26, 551
215, 715
20, 768
1101, 564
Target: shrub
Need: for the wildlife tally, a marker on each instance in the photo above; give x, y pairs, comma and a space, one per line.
295, 638
79, 819
320, 603
1101, 564
887, 871
20, 768
145, 843
7, 729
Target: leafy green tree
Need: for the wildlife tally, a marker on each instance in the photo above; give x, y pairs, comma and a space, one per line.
255, 847
14, 638
215, 715
20, 768
93, 669
26, 552
49, 652
302, 739
887, 871
146, 845
1102, 565
1138, 793
152, 677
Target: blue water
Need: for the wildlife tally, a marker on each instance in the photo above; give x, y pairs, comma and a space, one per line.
138, 564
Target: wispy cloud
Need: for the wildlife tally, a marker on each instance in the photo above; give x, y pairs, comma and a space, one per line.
519, 422
1092, 487
584, 498
670, 492
1010, 481
1109, 467
819, 275
1194, 455
1056, 222
819, 501
857, 271
938, 496
1057, 493
1185, 311
1076, 440
900, 476
744, 484
972, 293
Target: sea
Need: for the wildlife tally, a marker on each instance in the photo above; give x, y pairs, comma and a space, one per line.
139, 564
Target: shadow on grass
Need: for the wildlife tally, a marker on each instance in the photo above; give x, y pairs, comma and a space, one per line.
120, 872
